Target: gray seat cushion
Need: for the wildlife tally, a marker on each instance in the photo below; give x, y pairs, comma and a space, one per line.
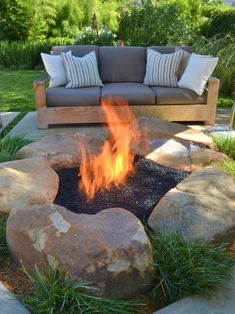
67, 97
122, 64
134, 93
176, 95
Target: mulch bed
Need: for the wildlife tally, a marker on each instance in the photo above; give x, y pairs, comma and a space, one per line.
14, 279
140, 194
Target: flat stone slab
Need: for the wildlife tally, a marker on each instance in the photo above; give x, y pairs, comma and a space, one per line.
9, 304
154, 128
110, 249
28, 127
6, 118
199, 305
202, 206
62, 151
27, 181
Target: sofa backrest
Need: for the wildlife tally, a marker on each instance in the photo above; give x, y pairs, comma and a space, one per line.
170, 49
77, 51
122, 64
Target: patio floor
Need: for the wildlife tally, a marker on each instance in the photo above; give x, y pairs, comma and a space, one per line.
28, 126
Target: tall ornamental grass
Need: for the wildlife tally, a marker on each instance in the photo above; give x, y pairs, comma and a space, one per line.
224, 48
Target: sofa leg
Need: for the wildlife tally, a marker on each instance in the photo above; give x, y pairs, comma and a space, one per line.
210, 122
42, 119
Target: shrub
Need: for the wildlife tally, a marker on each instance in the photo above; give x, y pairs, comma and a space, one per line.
10, 145
89, 36
185, 269
221, 20
26, 55
165, 22
223, 48
225, 144
56, 293
3, 242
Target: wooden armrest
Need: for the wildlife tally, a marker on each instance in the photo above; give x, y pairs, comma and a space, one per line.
213, 90
39, 91
42, 80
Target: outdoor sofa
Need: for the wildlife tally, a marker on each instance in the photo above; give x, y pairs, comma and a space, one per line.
122, 71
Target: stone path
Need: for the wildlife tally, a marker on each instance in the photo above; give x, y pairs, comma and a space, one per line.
28, 126
6, 118
198, 305
9, 304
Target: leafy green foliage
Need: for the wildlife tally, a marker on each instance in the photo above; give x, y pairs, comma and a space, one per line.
165, 22
56, 293
223, 48
227, 165
185, 269
221, 21
3, 242
224, 101
10, 145
225, 144
41, 19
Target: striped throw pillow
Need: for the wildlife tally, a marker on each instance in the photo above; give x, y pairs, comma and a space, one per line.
81, 72
162, 69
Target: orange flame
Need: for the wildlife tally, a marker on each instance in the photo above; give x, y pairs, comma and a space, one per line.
111, 166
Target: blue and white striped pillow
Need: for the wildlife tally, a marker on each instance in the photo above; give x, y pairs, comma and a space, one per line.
81, 72
161, 69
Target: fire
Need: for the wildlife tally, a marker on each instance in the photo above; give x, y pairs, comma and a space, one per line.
111, 166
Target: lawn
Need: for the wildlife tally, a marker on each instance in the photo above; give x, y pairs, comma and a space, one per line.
16, 91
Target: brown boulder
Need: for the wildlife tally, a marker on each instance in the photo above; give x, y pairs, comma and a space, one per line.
62, 150
202, 206
25, 182
109, 249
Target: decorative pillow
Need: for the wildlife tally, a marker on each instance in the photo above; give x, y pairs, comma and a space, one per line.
161, 69
81, 72
55, 69
197, 73
183, 62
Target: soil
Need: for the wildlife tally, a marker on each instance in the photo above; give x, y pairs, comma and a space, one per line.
13, 278
140, 194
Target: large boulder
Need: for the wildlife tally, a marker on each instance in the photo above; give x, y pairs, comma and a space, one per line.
109, 249
202, 206
25, 182
62, 150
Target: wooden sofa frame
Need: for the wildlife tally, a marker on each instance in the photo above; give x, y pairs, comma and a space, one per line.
94, 114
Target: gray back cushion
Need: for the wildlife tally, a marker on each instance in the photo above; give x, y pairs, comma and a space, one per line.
122, 64
77, 51
170, 49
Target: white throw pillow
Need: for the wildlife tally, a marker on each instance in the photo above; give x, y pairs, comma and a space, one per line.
55, 69
197, 73
161, 69
81, 72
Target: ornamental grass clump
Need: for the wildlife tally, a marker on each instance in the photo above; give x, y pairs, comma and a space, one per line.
55, 293
227, 165
184, 268
10, 145
225, 144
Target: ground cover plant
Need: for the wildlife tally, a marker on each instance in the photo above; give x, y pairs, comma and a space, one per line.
10, 145
55, 293
227, 165
184, 268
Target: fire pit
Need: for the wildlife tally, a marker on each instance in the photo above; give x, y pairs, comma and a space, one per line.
104, 189
141, 192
